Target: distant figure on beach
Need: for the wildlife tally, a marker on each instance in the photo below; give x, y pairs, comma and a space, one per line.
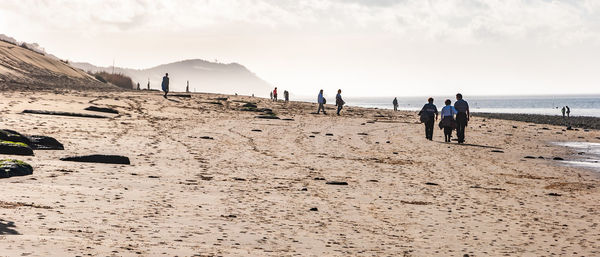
275, 94
462, 117
339, 102
187, 88
563, 112
568, 111
165, 84
395, 103
286, 96
447, 121
138, 86
321, 101
427, 115
271, 95
148, 84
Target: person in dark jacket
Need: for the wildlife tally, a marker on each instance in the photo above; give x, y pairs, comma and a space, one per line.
462, 117
427, 114
395, 103
165, 84
339, 102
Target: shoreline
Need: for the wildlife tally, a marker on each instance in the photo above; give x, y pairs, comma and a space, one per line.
582, 122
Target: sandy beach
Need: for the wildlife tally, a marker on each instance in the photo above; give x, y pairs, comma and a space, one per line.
207, 179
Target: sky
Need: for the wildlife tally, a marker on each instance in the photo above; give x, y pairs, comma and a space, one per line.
364, 47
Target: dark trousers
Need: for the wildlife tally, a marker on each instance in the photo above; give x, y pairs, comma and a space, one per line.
339, 109
447, 134
461, 124
429, 128
321, 107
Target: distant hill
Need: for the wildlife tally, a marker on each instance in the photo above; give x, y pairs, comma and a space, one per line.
25, 67
203, 76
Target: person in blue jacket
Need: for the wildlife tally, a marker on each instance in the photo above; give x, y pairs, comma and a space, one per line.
321, 101
448, 123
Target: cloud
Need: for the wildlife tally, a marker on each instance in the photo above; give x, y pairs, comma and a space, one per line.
459, 21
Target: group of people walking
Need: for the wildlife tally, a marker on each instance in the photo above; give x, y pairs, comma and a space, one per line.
452, 117
286, 95
339, 102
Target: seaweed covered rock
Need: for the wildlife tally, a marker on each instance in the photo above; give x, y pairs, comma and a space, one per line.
99, 158
11, 168
15, 148
13, 136
35, 142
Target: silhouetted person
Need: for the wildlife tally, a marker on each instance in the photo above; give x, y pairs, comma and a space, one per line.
138, 86
395, 103
568, 111
321, 101
462, 117
165, 84
275, 94
187, 87
339, 102
448, 123
286, 96
563, 112
427, 115
271, 95
148, 84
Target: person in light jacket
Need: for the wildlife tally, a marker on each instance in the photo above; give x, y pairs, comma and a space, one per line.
321, 101
448, 123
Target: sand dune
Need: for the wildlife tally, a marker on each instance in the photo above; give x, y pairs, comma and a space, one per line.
208, 179
21, 68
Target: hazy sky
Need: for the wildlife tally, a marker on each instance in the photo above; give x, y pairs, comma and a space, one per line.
365, 47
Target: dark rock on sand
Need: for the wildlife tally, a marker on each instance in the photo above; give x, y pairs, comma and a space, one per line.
99, 158
268, 117
554, 194
71, 114
101, 109
11, 168
15, 148
304, 189
497, 151
256, 130
181, 95
44, 143
338, 183
431, 184
207, 137
541, 157
319, 178
558, 159
288, 119
329, 134
35, 142
529, 157
314, 209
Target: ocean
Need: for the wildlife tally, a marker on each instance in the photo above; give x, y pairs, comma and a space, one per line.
580, 105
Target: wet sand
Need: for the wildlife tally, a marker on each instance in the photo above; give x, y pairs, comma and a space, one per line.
250, 189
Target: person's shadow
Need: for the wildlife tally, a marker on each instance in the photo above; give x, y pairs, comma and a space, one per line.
6, 228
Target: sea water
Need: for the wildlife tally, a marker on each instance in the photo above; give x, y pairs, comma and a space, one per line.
587, 154
580, 105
